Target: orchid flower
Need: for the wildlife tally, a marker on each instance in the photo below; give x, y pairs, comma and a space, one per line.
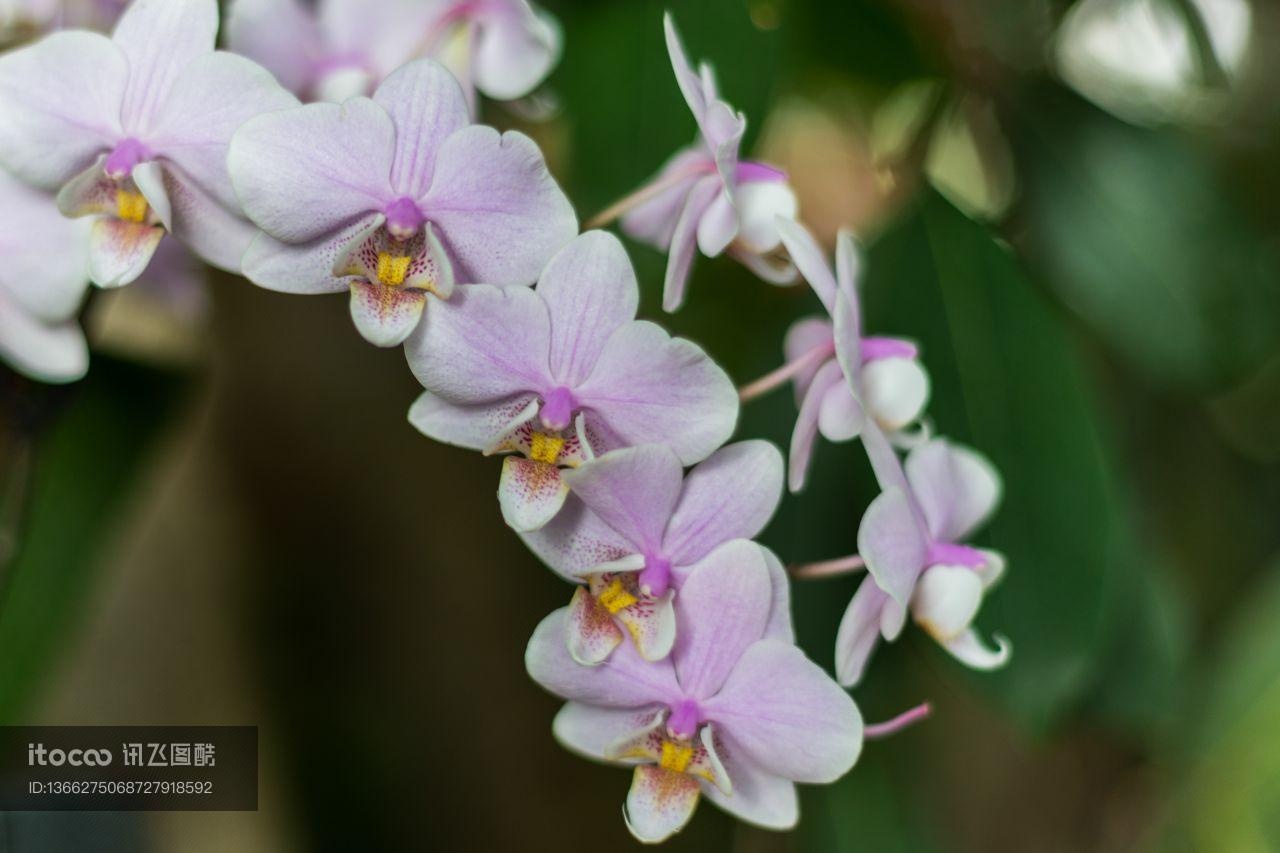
42, 284
21, 19
635, 528
134, 130
705, 197
911, 539
561, 374
393, 197
342, 48
891, 383
736, 712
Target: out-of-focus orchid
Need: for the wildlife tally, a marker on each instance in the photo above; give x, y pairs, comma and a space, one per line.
21, 19
635, 528
394, 197
343, 48
134, 130
911, 540
43, 280
561, 374
892, 384
705, 198
736, 712
92, 14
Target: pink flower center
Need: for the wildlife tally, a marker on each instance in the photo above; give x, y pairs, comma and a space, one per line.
655, 578
124, 157
951, 554
557, 409
404, 219
878, 348
684, 719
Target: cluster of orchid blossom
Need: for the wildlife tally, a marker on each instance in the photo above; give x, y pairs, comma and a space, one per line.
676, 653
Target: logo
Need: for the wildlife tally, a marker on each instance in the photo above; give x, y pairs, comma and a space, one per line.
37, 755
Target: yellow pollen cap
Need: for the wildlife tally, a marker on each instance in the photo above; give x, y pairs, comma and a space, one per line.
545, 448
392, 269
614, 597
675, 757
131, 206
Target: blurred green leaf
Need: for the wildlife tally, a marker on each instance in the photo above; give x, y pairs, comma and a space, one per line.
84, 466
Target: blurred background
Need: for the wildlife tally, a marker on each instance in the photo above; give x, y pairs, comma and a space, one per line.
1074, 207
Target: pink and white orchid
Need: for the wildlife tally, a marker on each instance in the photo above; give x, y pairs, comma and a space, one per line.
634, 528
911, 539
133, 131
394, 197
706, 198
42, 284
736, 712
562, 374
891, 383
338, 49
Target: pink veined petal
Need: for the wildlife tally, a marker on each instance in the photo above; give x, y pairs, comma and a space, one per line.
806, 429
803, 337
730, 495
476, 427
718, 226
306, 172
809, 258
384, 35
651, 388
958, 489
590, 290
716, 122
859, 631
684, 244
499, 211
653, 221
60, 99
280, 35
43, 350
625, 680
787, 715
305, 268
725, 605
45, 268
160, 38
892, 543
530, 493
659, 803
759, 797
633, 490
515, 50
483, 345
384, 315
119, 251
840, 417
779, 626
194, 217
590, 632
427, 106
213, 96
577, 541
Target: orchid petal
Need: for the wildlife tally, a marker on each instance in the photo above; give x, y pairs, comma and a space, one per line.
891, 542
652, 388
684, 241
992, 570
590, 731
590, 631
119, 251
160, 38
651, 622
425, 266
625, 680
653, 221
193, 216
660, 802
840, 416
485, 344
590, 290
43, 350
515, 51
476, 427
809, 258
768, 269
806, 429
306, 172
895, 390
386, 34
848, 272
305, 268
60, 99
958, 489
634, 490
973, 653
718, 226
384, 315
761, 204
426, 105
499, 211
578, 542
46, 261
725, 605
530, 493
859, 631
280, 35
730, 495
787, 715
803, 338
945, 601
779, 626
759, 797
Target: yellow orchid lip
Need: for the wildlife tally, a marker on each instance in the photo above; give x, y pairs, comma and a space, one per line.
131, 206
393, 269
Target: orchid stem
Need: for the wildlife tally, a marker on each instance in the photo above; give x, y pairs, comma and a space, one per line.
829, 568
898, 723
621, 207
783, 374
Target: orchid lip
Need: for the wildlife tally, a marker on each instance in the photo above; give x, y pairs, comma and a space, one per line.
655, 578
404, 219
557, 409
874, 349
951, 554
684, 719
123, 158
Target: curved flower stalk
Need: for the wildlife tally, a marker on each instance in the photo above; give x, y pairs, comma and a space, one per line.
562, 374
42, 284
636, 528
706, 198
342, 48
133, 131
912, 541
394, 197
736, 712
892, 383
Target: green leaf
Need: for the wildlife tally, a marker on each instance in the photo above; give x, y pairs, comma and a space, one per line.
83, 468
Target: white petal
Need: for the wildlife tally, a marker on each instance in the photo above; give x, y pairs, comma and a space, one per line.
896, 391
760, 204
946, 599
